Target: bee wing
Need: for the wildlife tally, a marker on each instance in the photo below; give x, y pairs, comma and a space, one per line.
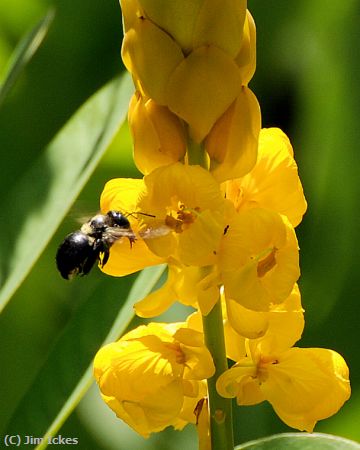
152, 233
83, 218
115, 233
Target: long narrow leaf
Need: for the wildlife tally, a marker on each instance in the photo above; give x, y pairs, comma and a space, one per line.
300, 441
40, 200
24, 51
67, 373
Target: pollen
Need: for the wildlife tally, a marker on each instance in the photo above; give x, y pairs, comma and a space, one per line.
184, 217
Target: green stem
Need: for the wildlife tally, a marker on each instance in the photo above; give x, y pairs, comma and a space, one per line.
197, 155
220, 408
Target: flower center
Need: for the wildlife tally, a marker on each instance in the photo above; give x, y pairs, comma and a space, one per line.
263, 367
180, 218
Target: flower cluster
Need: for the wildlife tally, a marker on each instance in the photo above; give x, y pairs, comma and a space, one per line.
218, 204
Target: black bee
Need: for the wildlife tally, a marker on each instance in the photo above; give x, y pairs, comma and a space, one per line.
81, 249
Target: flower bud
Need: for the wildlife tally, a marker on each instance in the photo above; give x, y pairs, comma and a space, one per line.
200, 22
233, 141
158, 134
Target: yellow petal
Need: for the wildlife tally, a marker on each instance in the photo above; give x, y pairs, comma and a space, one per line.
131, 11
220, 23
238, 381
198, 360
234, 343
246, 58
160, 300
307, 385
286, 324
151, 56
247, 323
202, 22
154, 413
158, 135
274, 181
206, 74
259, 259
198, 244
122, 194
233, 141
178, 19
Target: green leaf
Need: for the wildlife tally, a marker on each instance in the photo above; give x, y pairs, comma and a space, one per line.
41, 198
67, 373
24, 51
300, 441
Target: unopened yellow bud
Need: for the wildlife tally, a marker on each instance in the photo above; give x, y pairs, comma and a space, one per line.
200, 22
158, 134
233, 141
151, 56
202, 87
246, 58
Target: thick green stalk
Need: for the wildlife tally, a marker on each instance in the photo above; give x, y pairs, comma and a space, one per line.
221, 426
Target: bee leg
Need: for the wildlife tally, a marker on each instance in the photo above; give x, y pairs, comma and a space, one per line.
89, 262
132, 239
105, 258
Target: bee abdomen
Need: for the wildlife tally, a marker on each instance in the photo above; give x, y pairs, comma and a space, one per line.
75, 254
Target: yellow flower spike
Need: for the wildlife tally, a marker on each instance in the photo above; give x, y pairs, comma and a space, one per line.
274, 182
302, 385
188, 200
281, 326
122, 194
194, 90
203, 22
246, 58
151, 56
232, 143
158, 134
259, 259
141, 375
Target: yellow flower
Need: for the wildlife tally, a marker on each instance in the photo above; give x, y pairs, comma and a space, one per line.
274, 181
302, 385
188, 200
259, 259
158, 134
153, 375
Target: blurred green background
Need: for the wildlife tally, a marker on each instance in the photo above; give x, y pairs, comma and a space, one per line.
307, 83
